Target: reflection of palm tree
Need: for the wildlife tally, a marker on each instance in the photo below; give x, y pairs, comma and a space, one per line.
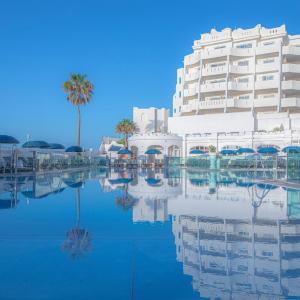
78, 240
126, 201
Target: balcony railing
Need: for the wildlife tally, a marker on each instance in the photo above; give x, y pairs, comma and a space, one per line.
212, 87
266, 84
291, 68
290, 85
291, 50
191, 77
191, 59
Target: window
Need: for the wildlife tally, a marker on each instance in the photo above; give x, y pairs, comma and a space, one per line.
245, 79
217, 81
269, 96
217, 65
243, 63
179, 94
244, 97
220, 47
267, 253
269, 43
243, 46
179, 79
174, 110
267, 77
268, 61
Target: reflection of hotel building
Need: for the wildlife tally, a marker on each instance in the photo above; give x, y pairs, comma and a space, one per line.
238, 87
246, 248
237, 239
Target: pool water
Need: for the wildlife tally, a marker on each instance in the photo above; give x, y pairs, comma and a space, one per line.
151, 234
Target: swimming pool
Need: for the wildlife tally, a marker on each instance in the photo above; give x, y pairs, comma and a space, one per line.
148, 234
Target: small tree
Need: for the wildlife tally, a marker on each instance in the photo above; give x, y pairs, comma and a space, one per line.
212, 149
127, 128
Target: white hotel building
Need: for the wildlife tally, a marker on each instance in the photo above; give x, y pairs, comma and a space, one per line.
237, 87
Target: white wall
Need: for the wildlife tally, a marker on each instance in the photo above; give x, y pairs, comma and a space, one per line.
151, 119
230, 122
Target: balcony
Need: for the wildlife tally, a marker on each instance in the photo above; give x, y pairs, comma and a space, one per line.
291, 68
261, 68
266, 102
234, 69
239, 103
213, 87
290, 102
291, 51
241, 52
211, 104
191, 59
192, 92
189, 107
290, 85
240, 86
214, 53
266, 84
191, 77
267, 49
214, 71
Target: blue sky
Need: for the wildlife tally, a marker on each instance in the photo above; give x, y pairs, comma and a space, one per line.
129, 49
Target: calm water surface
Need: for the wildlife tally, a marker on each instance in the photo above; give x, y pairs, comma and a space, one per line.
164, 234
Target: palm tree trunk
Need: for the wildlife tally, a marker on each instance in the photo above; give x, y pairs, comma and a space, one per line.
78, 125
78, 207
126, 140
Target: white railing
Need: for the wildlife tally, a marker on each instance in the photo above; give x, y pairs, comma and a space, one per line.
241, 86
291, 68
266, 84
291, 50
191, 59
291, 85
211, 87
214, 70
208, 104
240, 69
191, 76
191, 92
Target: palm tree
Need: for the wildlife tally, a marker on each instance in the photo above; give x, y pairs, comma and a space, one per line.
79, 91
126, 127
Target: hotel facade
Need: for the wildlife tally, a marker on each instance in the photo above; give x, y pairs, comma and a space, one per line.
238, 87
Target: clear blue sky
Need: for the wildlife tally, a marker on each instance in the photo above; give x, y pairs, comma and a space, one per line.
129, 49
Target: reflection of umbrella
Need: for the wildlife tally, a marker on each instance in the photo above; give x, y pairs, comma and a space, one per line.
291, 149
73, 184
76, 149
56, 146
244, 184
198, 181
120, 180
267, 150
197, 151
228, 152
32, 195
36, 144
267, 186
245, 150
152, 152
153, 181
7, 139
124, 152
